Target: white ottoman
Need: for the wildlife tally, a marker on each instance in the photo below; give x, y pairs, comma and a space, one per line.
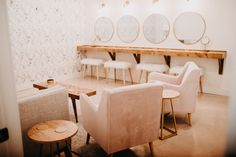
176, 70
119, 65
151, 67
92, 62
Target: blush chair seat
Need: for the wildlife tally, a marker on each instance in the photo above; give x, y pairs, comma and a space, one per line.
151, 67
119, 65
92, 62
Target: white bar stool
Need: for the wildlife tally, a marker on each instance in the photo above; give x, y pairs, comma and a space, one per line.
176, 70
119, 65
151, 67
92, 62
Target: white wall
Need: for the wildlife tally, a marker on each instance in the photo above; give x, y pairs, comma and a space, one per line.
44, 35
9, 113
219, 18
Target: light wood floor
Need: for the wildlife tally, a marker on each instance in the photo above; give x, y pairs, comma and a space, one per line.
206, 138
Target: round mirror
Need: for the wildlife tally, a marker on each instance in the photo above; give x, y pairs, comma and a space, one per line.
189, 28
128, 29
104, 29
156, 28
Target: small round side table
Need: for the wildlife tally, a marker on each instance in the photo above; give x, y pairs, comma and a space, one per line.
52, 132
168, 95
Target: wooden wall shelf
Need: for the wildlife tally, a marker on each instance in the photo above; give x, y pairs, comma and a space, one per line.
166, 52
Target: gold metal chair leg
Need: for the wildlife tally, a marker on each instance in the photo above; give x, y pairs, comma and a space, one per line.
123, 71
200, 85
115, 73
190, 119
151, 147
147, 73
105, 72
173, 114
97, 72
130, 74
140, 77
84, 70
91, 70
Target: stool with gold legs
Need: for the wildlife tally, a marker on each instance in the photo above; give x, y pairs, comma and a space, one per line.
168, 95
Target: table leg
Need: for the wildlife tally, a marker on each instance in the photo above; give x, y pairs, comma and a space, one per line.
51, 151
75, 109
173, 114
68, 150
41, 150
58, 150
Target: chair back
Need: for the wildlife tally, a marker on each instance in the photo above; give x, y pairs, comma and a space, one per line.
133, 115
189, 88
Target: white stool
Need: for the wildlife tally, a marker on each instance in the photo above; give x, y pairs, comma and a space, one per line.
92, 62
119, 65
178, 69
150, 67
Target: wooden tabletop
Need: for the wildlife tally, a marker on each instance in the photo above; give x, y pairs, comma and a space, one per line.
73, 91
52, 131
170, 94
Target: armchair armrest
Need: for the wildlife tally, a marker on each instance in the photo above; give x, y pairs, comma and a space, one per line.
154, 76
94, 118
88, 109
170, 86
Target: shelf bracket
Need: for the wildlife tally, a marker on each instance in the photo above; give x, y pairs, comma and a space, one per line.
221, 66
167, 59
112, 55
137, 57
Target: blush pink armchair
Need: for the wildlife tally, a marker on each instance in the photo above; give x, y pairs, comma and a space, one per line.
186, 83
125, 117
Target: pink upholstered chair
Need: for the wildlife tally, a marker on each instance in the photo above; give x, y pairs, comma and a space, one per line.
186, 83
125, 117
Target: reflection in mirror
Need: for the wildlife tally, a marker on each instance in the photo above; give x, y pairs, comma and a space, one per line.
128, 29
189, 28
156, 28
104, 29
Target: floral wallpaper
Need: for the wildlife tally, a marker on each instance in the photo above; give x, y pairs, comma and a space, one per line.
44, 35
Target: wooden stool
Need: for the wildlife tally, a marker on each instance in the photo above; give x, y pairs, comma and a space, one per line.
178, 69
168, 95
92, 62
150, 67
119, 65
52, 132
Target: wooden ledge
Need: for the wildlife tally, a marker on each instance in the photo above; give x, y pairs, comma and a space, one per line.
166, 52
